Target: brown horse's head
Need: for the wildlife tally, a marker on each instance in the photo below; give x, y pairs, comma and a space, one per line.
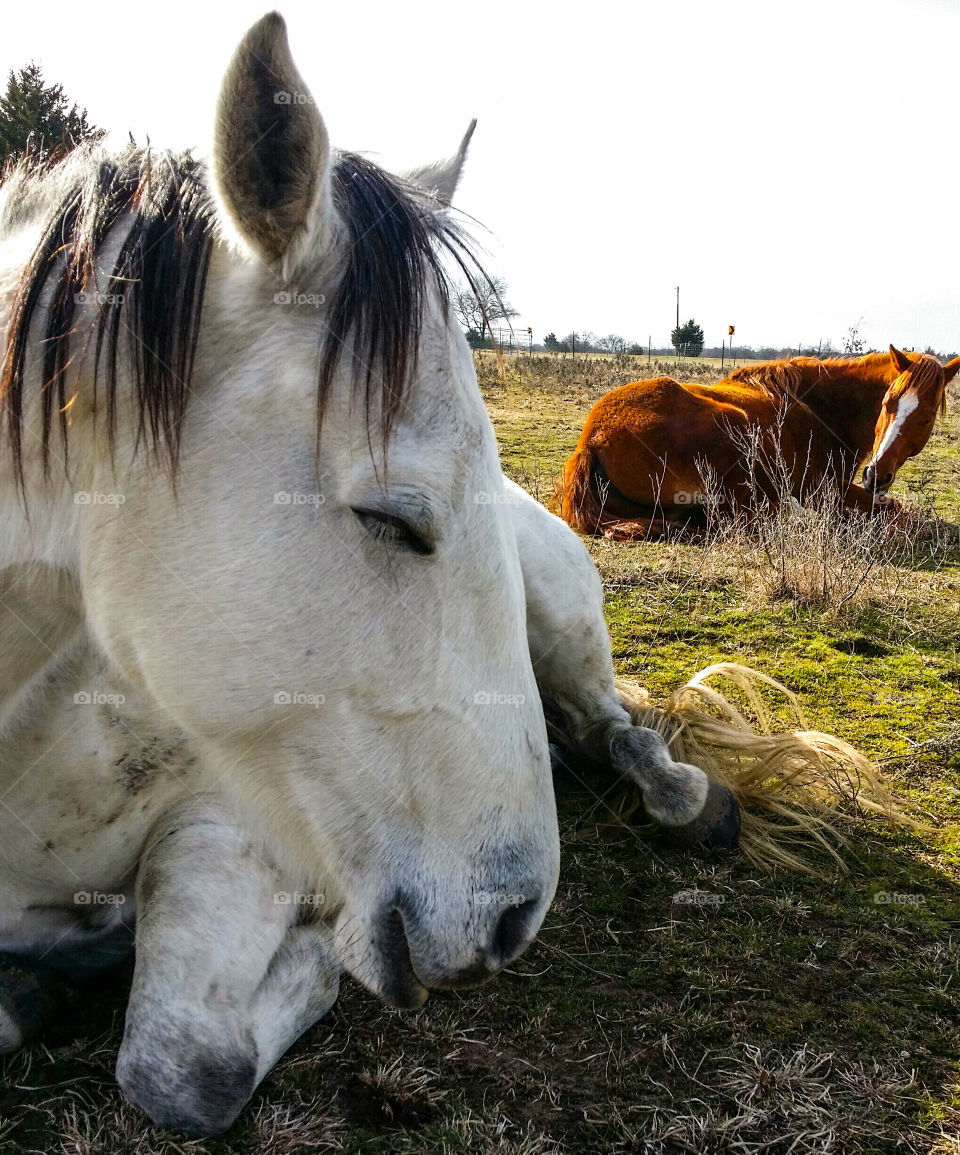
909, 410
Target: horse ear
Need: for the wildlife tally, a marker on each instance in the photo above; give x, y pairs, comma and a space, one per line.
271, 154
900, 360
441, 179
950, 369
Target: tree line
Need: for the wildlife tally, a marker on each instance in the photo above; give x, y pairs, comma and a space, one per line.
483, 308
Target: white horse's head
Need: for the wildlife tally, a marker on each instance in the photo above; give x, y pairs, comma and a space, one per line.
335, 618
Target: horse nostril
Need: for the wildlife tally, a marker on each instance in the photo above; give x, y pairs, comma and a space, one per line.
512, 932
873, 482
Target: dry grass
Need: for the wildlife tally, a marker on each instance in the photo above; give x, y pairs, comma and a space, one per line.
584, 375
817, 552
776, 1100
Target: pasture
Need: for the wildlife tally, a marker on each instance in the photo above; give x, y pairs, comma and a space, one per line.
674, 1001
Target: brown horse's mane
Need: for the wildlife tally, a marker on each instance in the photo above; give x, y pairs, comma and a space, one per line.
781, 380
778, 379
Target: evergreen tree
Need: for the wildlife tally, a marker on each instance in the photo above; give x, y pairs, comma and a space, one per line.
35, 116
688, 339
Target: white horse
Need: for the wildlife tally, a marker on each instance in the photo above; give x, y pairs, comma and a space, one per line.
274, 631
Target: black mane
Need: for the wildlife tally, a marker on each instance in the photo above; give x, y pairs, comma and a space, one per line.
396, 244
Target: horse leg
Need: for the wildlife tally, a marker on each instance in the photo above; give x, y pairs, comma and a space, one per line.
225, 981
570, 651
856, 499
658, 526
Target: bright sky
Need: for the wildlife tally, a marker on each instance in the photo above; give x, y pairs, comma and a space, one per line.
791, 164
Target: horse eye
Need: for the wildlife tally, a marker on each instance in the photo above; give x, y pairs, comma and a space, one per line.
393, 531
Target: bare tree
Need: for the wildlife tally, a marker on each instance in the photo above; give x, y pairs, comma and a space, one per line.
853, 343
478, 309
580, 341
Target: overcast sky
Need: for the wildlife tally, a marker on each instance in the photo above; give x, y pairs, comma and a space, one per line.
791, 165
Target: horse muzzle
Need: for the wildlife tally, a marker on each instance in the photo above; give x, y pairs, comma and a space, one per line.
875, 484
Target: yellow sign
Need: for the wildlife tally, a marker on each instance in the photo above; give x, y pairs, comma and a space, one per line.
730, 329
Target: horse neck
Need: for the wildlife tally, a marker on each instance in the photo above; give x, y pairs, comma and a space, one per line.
847, 396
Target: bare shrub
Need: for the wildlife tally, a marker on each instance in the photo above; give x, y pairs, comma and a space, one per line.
816, 552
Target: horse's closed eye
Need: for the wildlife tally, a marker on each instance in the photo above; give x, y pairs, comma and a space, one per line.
393, 531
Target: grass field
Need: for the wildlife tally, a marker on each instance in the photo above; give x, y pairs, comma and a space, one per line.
779, 1014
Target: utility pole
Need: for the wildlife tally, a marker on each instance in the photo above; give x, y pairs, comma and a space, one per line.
678, 306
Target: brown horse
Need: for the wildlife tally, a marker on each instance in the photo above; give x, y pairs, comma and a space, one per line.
638, 469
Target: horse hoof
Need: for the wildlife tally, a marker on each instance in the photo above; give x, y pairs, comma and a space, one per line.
31, 995
197, 1094
717, 824
11, 1033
